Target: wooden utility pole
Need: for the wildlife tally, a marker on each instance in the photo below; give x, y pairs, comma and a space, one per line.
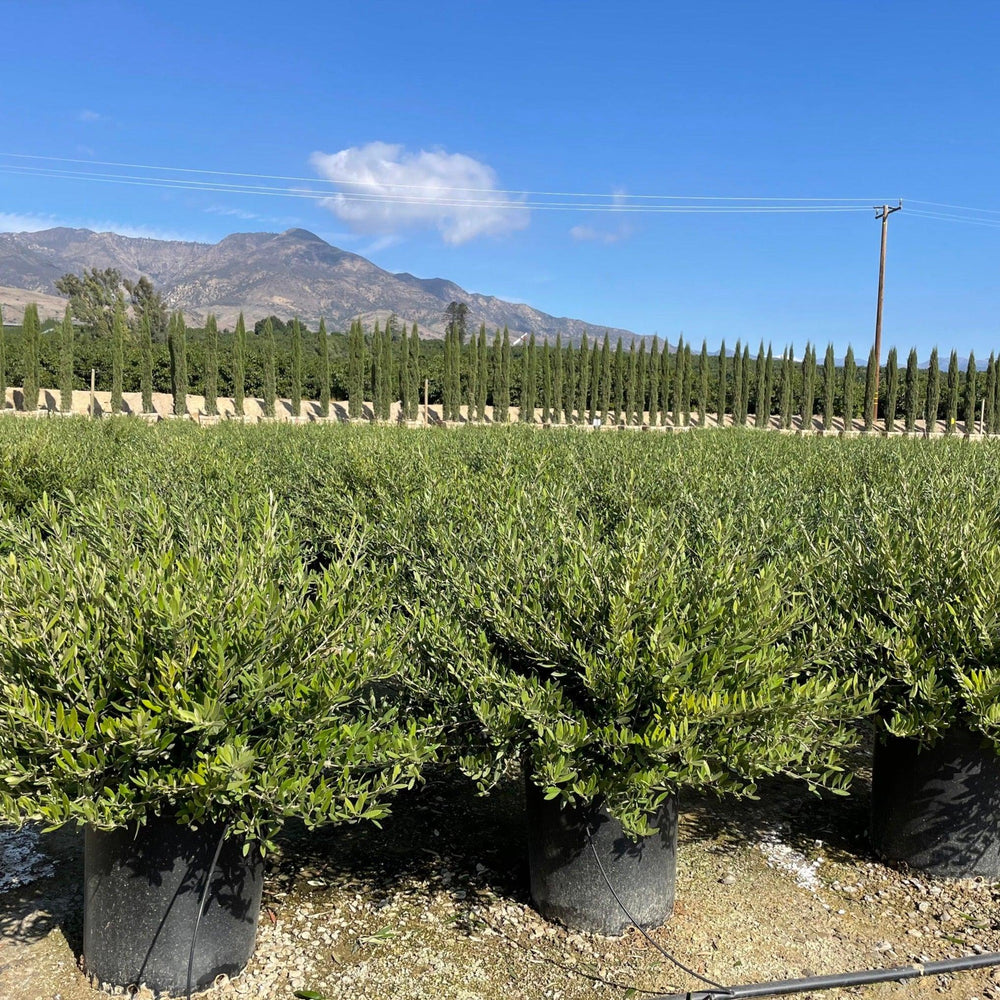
883, 214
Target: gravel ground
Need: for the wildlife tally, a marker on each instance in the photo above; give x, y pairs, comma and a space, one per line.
436, 905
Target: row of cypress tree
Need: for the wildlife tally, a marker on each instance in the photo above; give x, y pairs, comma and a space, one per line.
570, 383
177, 348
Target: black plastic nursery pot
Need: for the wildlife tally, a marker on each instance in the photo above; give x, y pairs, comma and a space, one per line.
142, 889
937, 808
566, 881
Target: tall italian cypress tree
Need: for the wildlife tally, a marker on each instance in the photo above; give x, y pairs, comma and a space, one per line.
270, 376
686, 385
911, 390
546, 383
324, 368
117, 354
390, 379
296, 395
808, 389
555, 361
720, 396
356, 371
969, 407
146, 363
211, 366
933, 400
891, 390
640, 384
850, 388
239, 365
583, 378
65, 363
991, 383
482, 376
737, 384
618, 383
377, 375
605, 379
456, 372
829, 387
631, 386
676, 406
178, 363
768, 386
785, 403
951, 417
569, 385
870, 374
529, 382
595, 381
472, 386
748, 377
760, 403
654, 382
3, 363
414, 374
994, 401
501, 405
30, 331
405, 382
666, 380
703, 384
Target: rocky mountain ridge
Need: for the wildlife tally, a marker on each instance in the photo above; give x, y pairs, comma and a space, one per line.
294, 273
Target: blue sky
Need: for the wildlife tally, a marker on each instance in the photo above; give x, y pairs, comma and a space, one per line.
442, 104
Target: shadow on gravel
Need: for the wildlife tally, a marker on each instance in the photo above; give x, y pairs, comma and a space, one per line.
45, 888
786, 807
443, 834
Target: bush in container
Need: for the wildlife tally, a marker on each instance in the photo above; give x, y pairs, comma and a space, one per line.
922, 572
182, 683
622, 663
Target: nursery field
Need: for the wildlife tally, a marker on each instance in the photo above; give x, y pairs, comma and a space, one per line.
354, 649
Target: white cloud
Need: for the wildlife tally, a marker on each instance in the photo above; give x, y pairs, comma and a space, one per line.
86, 115
386, 189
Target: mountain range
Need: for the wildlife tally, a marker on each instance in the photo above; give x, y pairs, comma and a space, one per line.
294, 273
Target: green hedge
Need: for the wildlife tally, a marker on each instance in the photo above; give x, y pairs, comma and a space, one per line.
256, 622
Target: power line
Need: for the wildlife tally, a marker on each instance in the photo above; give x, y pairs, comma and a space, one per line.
412, 200
381, 184
943, 217
961, 208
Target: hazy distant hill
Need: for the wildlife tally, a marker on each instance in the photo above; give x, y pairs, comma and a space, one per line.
294, 273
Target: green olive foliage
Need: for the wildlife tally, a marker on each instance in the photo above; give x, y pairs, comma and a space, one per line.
160, 660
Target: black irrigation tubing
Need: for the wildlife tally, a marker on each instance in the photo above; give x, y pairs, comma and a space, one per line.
784, 987
719, 990
201, 906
